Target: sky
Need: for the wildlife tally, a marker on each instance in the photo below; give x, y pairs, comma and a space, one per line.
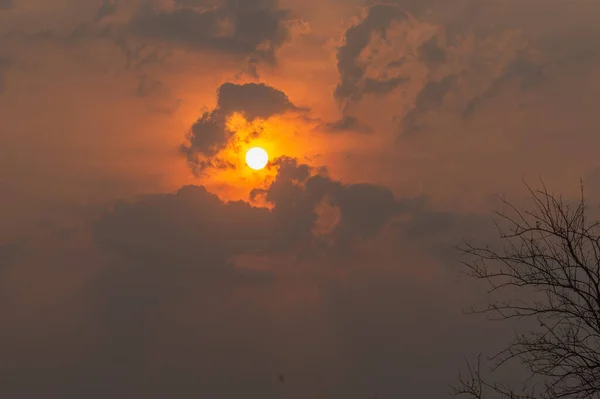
141, 258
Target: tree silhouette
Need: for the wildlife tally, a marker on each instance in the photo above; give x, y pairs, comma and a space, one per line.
551, 257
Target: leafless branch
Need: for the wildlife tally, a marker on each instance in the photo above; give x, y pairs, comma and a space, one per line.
550, 254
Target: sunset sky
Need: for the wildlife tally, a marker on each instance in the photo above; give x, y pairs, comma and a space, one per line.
140, 257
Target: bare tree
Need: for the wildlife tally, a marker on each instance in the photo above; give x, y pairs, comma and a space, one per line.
551, 256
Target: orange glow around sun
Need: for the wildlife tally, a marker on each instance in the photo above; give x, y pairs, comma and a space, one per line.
277, 136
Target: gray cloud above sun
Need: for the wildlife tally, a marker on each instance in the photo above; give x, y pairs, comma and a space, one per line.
251, 27
209, 133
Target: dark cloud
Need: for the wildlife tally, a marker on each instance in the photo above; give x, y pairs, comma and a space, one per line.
379, 17
383, 86
348, 124
395, 64
165, 241
251, 28
430, 97
430, 52
196, 226
172, 314
364, 208
175, 294
357, 38
209, 134
352, 69
526, 72
172, 245
191, 226
254, 100
524, 63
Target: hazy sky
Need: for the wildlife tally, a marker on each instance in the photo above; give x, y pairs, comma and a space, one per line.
141, 258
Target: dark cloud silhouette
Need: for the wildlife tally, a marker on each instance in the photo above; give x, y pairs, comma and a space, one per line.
348, 123
436, 55
364, 208
209, 134
254, 100
196, 225
175, 292
526, 72
382, 86
378, 19
173, 313
430, 97
192, 227
251, 27
430, 52
395, 64
434, 92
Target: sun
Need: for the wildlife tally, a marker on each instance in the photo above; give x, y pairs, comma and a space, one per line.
257, 158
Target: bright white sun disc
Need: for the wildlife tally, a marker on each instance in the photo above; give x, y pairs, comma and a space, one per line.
257, 158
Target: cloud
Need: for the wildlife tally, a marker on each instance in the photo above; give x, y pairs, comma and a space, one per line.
379, 17
413, 54
430, 97
399, 45
191, 228
253, 100
374, 86
196, 225
348, 123
520, 69
241, 281
252, 28
430, 52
